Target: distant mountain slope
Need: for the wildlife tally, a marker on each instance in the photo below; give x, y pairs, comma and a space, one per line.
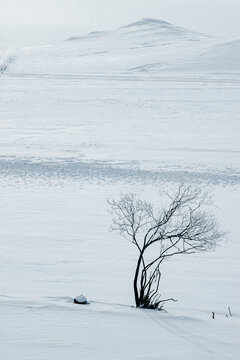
146, 46
221, 56
152, 30
6, 58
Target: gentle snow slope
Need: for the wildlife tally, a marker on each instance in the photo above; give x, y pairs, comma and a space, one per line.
145, 46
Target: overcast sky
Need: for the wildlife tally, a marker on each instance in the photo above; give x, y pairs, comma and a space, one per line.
29, 22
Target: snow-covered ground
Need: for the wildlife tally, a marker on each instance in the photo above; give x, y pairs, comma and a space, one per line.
135, 109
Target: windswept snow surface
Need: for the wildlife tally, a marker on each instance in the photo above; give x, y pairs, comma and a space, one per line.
136, 109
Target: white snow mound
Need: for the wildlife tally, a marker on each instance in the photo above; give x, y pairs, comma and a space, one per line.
149, 45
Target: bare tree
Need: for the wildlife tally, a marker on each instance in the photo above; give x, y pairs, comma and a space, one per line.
184, 225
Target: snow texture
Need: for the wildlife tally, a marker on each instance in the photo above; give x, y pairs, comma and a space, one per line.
137, 109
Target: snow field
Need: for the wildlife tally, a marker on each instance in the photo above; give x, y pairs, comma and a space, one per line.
136, 109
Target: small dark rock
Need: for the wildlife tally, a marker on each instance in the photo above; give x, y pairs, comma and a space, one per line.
80, 300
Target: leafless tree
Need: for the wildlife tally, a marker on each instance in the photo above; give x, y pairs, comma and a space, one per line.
183, 225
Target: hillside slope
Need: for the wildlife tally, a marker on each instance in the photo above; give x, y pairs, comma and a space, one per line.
147, 46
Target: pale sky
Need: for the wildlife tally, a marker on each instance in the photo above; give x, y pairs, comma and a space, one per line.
30, 22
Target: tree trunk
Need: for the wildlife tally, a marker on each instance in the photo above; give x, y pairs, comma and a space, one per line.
135, 282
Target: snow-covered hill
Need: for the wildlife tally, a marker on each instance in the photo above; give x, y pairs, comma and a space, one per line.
151, 46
